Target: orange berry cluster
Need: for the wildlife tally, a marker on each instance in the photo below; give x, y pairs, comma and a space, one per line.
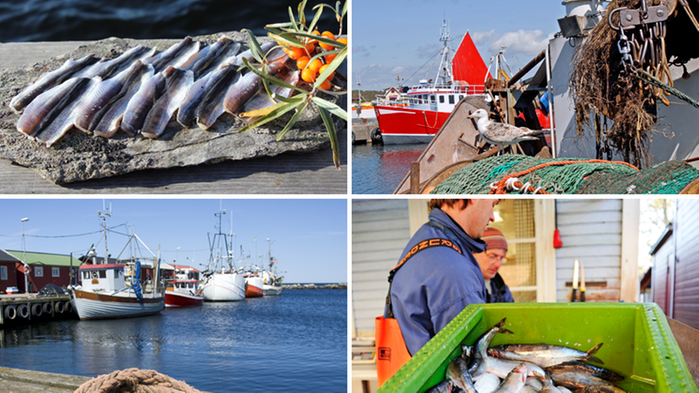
310, 70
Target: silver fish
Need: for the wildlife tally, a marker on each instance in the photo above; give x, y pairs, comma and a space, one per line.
480, 348
588, 369
101, 95
64, 121
184, 55
514, 382
219, 50
186, 114
502, 367
211, 106
161, 60
43, 108
544, 355
457, 372
263, 100
110, 121
140, 104
49, 79
442, 387
549, 387
527, 389
248, 85
106, 68
575, 381
487, 383
178, 82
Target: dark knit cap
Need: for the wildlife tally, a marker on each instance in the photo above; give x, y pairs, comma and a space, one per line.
493, 238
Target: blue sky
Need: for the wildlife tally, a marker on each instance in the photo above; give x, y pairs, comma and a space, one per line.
309, 237
396, 37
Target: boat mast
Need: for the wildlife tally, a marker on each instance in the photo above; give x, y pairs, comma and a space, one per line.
444, 76
103, 214
271, 263
215, 242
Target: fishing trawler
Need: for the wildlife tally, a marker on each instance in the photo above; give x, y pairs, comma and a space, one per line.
432, 100
116, 290
221, 281
272, 284
183, 290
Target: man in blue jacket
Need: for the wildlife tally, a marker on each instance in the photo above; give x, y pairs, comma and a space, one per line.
438, 282
490, 262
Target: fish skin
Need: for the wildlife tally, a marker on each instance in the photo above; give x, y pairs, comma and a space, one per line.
207, 55
229, 55
263, 100
39, 111
442, 387
186, 114
184, 55
160, 60
480, 348
177, 85
48, 80
527, 389
138, 70
502, 367
212, 104
140, 104
101, 95
106, 68
588, 369
110, 122
65, 119
544, 355
248, 53
577, 381
457, 372
514, 382
248, 85
487, 383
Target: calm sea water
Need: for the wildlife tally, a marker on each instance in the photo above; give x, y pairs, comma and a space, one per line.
62, 20
293, 342
377, 169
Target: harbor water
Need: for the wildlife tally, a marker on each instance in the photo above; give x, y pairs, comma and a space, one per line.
293, 342
377, 168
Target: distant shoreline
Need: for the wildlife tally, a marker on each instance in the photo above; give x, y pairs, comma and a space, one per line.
315, 286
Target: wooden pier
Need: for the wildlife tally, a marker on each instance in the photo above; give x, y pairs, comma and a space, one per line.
25, 381
24, 308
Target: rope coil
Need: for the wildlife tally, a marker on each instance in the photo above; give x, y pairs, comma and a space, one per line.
134, 380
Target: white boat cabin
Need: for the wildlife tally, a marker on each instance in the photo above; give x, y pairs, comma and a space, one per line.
102, 277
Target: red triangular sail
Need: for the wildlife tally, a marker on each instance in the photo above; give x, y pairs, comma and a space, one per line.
468, 65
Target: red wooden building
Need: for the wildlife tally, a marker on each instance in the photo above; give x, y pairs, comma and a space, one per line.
44, 269
8, 271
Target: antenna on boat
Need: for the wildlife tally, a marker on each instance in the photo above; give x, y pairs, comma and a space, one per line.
215, 242
103, 214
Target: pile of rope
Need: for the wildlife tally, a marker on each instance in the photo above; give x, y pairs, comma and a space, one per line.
519, 174
134, 380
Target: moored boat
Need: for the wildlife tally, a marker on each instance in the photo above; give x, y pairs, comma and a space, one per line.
222, 283
183, 291
271, 283
431, 101
254, 285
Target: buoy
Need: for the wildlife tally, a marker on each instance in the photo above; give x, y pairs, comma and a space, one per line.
23, 310
10, 312
36, 309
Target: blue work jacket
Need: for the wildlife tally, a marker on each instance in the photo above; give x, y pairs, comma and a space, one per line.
437, 283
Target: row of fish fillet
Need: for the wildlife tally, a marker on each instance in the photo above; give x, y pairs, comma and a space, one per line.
141, 90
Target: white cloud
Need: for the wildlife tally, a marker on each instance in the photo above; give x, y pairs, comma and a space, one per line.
398, 70
521, 41
481, 37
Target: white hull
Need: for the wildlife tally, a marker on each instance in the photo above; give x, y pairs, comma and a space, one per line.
224, 287
91, 305
271, 290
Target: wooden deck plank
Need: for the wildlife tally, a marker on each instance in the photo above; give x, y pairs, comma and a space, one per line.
310, 173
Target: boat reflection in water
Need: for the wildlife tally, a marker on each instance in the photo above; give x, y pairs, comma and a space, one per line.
377, 169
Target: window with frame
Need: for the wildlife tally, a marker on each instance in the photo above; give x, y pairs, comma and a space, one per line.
3, 272
39, 271
451, 99
55, 272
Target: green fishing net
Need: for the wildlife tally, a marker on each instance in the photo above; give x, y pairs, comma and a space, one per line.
576, 176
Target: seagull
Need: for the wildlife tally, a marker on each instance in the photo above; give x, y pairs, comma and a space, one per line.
501, 134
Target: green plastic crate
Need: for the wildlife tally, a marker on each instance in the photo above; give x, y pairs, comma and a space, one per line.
638, 342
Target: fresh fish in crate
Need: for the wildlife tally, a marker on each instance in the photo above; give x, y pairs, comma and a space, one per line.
457, 372
544, 355
586, 369
514, 382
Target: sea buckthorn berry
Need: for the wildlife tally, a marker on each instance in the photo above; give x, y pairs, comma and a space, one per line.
315, 32
310, 46
315, 65
308, 75
326, 85
296, 53
342, 40
325, 46
329, 58
302, 62
321, 69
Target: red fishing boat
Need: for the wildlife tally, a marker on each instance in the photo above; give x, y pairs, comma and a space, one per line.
431, 102
183, 290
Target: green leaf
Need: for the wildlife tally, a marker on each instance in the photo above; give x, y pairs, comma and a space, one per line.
278, 111
293, 19
270, 78
331, 67
330, 126
302, 13
275, 25
255, 47
344, 9
330, 107
312, 26
294, 119
285, 39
